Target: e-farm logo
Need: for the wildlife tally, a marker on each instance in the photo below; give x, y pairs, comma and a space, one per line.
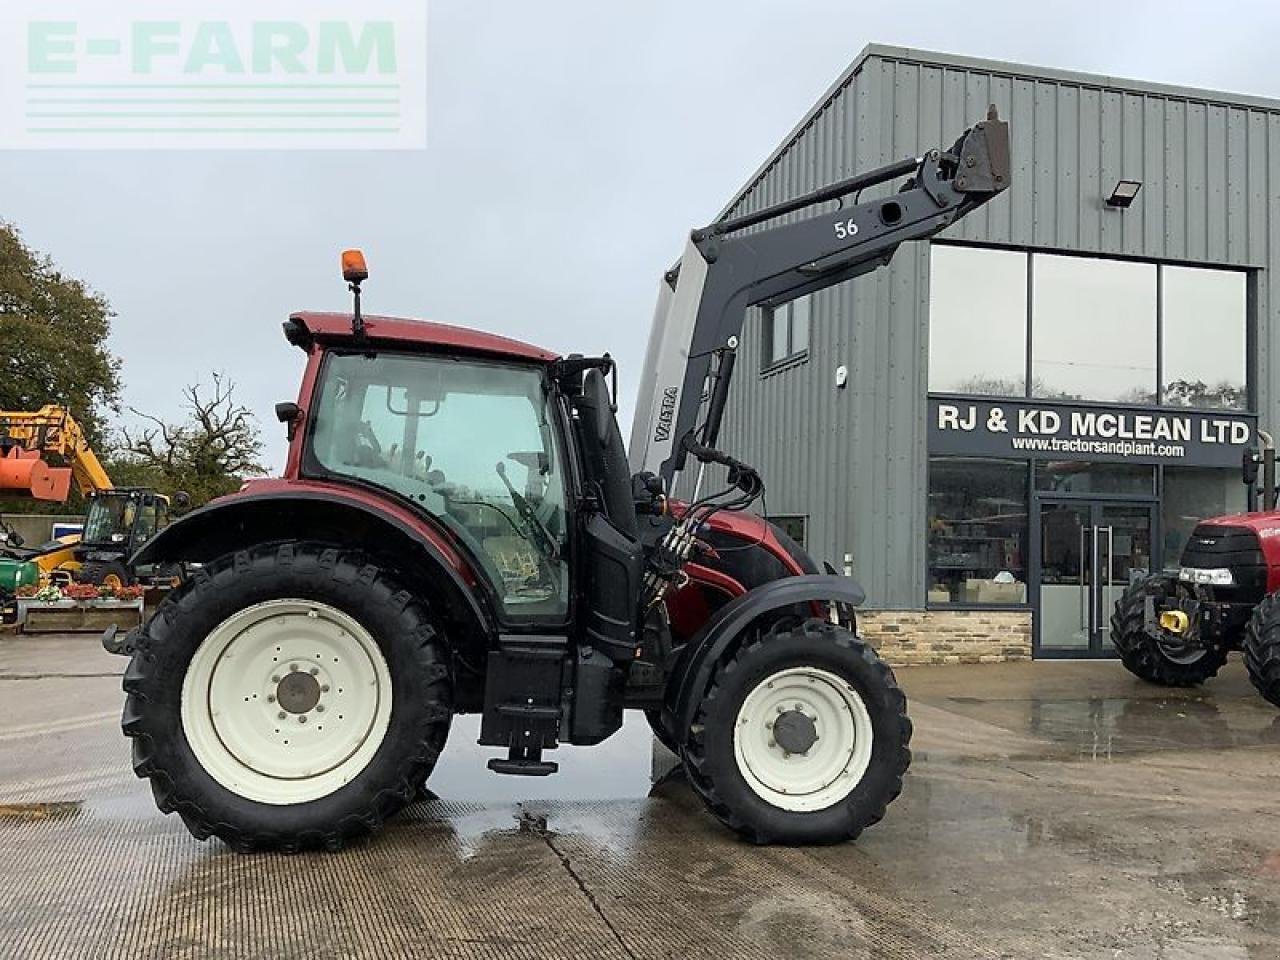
275, 74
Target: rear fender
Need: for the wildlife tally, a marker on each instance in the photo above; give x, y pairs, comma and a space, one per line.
726, 628
245, 520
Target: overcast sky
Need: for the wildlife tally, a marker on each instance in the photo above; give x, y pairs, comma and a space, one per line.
571, 147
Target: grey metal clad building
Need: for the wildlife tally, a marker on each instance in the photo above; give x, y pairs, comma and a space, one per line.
1037, 407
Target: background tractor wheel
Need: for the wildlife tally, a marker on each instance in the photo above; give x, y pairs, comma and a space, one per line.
105, 573
1169, 662
1262, 648
802, 738
287, 697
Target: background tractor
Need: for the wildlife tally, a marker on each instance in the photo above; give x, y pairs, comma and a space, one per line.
458, 530
118, 521
1178, 628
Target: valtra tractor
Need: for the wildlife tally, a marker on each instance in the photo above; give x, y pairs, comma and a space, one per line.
1177, 629
458, 530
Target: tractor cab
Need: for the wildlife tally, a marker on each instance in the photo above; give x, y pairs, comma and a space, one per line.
476, 444
121, 520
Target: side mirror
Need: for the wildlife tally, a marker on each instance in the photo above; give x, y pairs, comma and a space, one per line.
289, 414
1249, 466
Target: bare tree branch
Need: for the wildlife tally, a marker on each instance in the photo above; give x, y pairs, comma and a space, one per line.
210, 453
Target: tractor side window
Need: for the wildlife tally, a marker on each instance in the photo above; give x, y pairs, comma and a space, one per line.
472, 444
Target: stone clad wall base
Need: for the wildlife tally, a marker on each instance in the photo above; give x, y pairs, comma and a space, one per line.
912, 637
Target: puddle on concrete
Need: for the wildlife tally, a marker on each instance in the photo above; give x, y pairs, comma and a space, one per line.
1101, 728
59, 810
618, 769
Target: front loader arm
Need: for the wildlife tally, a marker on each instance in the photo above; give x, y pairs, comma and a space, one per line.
52, 429
725, 270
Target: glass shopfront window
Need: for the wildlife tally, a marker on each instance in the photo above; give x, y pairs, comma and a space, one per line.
1202, 370
1081, 476
1093, 329
977, 531
1190, 495
977, 321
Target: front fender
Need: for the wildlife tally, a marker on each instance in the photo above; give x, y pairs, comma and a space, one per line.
724, 629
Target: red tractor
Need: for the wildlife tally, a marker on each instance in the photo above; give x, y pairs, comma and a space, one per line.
458, 530
1177, 629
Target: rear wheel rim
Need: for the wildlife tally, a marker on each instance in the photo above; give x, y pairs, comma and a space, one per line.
286, 701
810, 703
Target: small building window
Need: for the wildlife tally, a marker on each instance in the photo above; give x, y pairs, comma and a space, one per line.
794, 527
977, 531
786, 331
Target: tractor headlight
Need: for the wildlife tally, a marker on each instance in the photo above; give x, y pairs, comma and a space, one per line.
1212, 576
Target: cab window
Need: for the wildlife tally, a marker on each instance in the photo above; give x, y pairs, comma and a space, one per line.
470, 443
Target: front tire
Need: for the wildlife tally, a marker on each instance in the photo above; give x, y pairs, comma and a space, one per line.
660, 731
289, 697
105, 573
802, 738
1262, 648
1167, 664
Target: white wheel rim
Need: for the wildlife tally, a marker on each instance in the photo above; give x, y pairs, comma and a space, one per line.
835, 763
286, 701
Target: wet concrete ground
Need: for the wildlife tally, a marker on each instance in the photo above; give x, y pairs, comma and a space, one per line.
1054, 810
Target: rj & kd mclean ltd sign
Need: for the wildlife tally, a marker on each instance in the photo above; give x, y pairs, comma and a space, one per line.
1061, 431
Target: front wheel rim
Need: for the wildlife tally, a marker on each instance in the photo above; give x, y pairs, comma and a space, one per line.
820, 712
286, 701
1181, 653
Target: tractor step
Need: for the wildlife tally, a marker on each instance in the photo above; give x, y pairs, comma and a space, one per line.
523, 705
522, 767
529, 711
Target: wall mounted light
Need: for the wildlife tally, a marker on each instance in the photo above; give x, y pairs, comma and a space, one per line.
1125, 192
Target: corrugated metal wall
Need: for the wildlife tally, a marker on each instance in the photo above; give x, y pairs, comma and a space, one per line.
854, 460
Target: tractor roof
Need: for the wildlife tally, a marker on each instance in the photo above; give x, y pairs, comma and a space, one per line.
335, 328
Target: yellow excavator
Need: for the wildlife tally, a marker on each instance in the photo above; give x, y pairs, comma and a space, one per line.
118, 521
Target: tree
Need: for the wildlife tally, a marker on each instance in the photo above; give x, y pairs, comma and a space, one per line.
1197, 393
208, 455
53, 339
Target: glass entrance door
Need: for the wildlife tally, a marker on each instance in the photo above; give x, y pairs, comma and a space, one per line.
1089, 551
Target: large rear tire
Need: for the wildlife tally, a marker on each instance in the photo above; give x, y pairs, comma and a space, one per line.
802, 738
1167, 663
1262, 648
287, 697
